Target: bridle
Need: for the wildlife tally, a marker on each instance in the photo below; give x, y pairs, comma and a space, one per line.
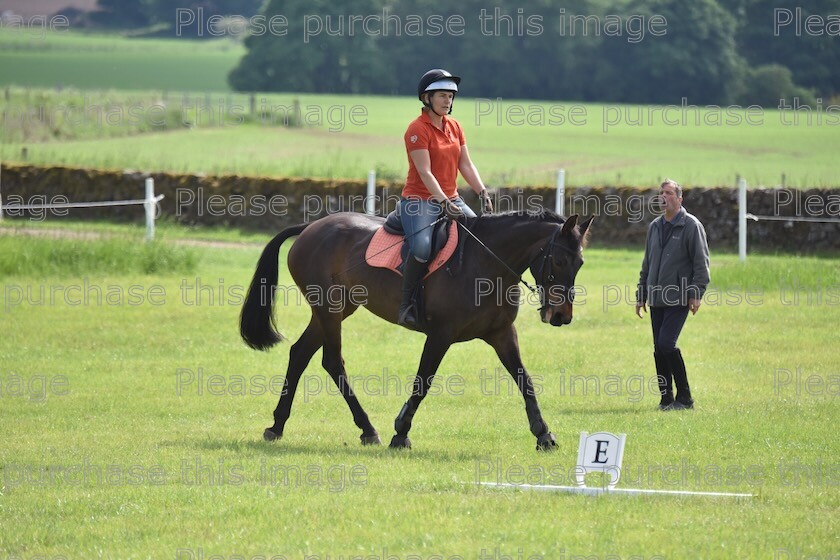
547, 252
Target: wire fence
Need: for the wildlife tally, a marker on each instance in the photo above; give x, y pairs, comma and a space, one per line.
150, 203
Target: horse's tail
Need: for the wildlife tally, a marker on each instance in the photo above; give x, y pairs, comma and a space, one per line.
256, 323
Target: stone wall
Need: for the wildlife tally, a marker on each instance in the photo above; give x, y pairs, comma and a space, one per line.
269, 204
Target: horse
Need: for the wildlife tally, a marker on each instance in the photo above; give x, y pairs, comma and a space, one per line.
480, 301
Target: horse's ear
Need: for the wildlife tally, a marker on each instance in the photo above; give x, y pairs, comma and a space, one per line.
569, 224
584, 231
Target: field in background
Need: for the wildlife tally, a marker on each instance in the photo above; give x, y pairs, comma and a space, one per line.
346, 136
170, 110
30, 8
133, 413
114, 388
33, 58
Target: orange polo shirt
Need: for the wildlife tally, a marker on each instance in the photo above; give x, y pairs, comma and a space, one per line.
444, 152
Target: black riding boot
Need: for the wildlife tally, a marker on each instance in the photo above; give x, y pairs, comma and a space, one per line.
413, 271
684, 399
663, 377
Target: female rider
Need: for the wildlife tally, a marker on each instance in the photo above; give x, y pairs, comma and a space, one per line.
437, 151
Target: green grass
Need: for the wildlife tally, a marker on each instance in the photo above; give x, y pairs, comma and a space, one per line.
769, 272
49, 116
165, 229
97, 385
334, 147
100, 61
513, 142
68, 257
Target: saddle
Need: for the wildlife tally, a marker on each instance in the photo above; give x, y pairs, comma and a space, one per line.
388, 248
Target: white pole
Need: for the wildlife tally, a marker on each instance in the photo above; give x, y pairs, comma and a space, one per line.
370, 198
150, 209
742, 219
560, 203
1, 192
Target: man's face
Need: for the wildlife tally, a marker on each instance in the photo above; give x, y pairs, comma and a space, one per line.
670, 201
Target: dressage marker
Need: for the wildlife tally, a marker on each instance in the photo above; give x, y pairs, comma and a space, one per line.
604, 452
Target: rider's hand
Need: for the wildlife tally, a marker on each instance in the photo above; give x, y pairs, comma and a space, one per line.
486, 203
451, 210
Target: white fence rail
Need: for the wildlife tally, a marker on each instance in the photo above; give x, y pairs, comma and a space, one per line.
559, 205
150, 203
560, 200
743, 216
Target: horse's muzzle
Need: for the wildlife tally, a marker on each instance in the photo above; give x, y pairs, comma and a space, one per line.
556, 317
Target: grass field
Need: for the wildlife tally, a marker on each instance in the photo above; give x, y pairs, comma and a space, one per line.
113, 446
31, 8
34, 58
133, 104
348, 136
132, 413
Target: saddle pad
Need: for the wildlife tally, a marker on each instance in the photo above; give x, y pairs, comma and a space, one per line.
383, 251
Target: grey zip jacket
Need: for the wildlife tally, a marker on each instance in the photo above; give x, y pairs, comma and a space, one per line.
677, 271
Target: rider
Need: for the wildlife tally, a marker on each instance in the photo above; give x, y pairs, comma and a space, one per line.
436, 150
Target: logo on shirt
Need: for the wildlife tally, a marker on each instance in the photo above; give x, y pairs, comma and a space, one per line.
413, 138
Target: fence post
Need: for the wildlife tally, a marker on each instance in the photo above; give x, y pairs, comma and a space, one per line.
742, 219
370, 197
560, 203
150, 206
1, 190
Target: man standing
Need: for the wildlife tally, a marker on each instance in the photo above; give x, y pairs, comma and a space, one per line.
674, 276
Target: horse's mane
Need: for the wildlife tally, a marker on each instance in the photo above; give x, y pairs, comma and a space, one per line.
516, 215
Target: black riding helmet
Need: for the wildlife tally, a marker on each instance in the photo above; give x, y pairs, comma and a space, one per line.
437, 80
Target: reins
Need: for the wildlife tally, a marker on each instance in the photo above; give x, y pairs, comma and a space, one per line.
550, 245
546, 254
500, 261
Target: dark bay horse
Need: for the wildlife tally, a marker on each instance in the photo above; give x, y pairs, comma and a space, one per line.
328, 257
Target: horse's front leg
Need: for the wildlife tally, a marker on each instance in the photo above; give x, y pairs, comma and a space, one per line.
506, 345
433, 353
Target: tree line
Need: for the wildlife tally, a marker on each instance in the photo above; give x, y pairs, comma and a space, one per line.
632, 51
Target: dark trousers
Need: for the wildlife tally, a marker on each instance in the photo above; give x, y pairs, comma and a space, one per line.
667, 322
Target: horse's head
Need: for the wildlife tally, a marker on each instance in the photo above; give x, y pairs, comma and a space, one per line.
556, 267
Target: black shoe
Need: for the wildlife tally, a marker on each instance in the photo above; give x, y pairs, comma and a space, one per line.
413, 272
679, 405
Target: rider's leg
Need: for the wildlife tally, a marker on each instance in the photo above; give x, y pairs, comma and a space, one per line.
417, 217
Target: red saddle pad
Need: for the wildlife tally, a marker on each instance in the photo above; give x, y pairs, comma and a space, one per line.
384, 248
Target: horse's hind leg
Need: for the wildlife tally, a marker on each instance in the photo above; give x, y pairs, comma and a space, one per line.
299, 356
506, 345
333, 362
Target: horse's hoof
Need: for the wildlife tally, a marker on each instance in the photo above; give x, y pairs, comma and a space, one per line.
546, 442
371, 440
400, 442
269, 435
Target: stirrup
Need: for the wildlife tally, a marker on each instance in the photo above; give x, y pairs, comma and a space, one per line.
408, 316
